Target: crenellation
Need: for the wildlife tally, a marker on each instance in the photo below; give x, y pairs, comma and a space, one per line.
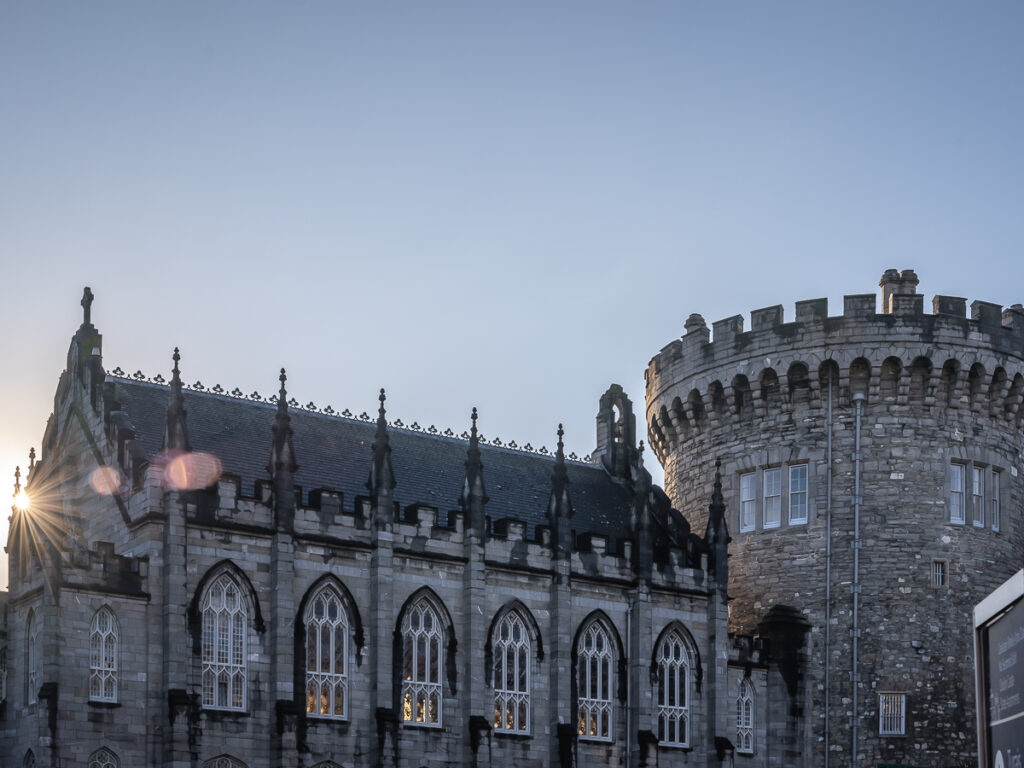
907, 305
812, 311
989, 316
955, 306
859, 305
766, 318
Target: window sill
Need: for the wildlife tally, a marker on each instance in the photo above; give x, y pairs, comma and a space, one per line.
104, 704
225, 714
596, 739
512, 734
425, 726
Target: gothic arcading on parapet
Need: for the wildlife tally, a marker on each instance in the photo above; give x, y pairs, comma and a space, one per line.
328, 410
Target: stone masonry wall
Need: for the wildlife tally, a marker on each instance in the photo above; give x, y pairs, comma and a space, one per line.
941, 390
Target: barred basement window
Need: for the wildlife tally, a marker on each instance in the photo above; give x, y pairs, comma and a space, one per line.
422, 666
745, 718
673, 691
772, 498
978, 496
511, 645
224, 628
594, 683
326, 655
957, 512
994, 501
103, 758
939, 575
891, 714
798, 494
748, 501
103, 656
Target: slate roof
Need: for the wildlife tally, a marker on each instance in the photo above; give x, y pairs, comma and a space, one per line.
334, 453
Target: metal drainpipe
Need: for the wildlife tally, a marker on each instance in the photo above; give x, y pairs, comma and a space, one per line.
828, 571
629, 685
858, 407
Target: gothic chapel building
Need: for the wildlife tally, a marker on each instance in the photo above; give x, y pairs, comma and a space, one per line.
373, 595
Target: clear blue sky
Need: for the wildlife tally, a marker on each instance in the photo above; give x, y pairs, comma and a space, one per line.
502, 205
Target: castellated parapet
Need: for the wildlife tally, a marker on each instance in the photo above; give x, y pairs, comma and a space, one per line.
935, 526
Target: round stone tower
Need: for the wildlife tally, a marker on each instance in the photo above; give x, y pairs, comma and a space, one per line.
870, 466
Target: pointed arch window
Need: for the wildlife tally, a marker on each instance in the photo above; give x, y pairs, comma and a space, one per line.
422, 665
224, 761
225, 618
33, 673
326, 655
673, 691
511, 649
30, 760
745, 718
594, 683
103, 758
103, 649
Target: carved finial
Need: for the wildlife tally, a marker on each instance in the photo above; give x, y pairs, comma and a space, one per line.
175, 430
560, 505
87, 298
716, 496
282, 464
473, 487
561, 445
31, 459
17, 480
382, 474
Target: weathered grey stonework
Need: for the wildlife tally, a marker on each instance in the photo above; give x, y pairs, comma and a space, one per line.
111, 524
940, 390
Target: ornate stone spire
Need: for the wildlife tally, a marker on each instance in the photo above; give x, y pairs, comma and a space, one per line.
175, 429
716, 537
560, 505
474, 496
382, 474
282, 450
17, 481
31, 459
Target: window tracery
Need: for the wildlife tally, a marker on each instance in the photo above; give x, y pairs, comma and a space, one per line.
511, 649
673, 691
326, 655
594, 683
103, 639
103, 758
422, 665
745, 718
225, 617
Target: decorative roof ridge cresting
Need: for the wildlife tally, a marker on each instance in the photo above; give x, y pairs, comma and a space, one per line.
346, 414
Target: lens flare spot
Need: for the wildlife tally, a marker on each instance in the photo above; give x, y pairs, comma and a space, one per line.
192, 471
21, 501
106, 481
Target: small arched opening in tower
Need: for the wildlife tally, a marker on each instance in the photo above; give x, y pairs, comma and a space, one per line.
976, 386
769, 388
889, 379
799, 382
948, 381
1011, 406
997, 392
741, 396
696, 408
920, 378
716, 394
860, 377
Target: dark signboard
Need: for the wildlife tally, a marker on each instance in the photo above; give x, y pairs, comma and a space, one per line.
1001, 667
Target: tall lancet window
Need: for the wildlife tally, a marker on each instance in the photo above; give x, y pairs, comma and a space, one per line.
326, 655
673, 691
595, 657
511, 653
224, 629
33, 673
745, 718
422, 664
103, 656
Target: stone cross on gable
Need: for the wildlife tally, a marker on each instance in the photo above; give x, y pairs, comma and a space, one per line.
87, 305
